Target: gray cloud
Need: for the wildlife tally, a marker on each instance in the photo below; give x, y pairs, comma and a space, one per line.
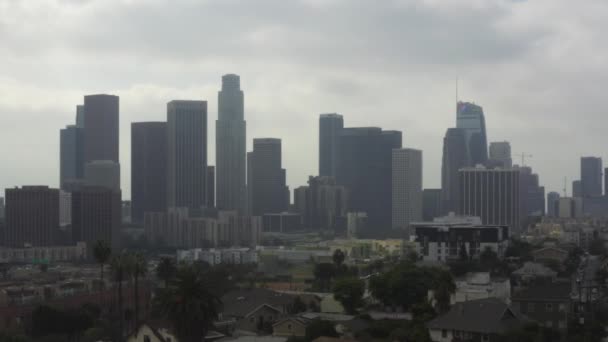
536, 67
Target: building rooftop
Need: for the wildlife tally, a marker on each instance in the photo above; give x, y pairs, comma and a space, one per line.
486, 316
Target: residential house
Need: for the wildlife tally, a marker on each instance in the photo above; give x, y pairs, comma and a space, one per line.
480, 285
290, 326
547, 304
532, 272
153, 332
551, 254
477, 320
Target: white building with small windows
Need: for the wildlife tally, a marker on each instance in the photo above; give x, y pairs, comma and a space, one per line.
216, 256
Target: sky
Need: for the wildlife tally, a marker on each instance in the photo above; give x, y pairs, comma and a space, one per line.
537, 68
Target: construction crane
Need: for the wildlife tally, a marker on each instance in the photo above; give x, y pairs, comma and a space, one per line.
523, 157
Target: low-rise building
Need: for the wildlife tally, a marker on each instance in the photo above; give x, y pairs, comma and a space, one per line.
532, 272
550, 253
449, 237
216, 256
480, 285
44, 254
291, 327
547, 304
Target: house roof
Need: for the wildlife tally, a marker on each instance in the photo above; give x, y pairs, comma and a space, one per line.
535, 269
488, 316
240, 303
550, 248
298, 320
558, 291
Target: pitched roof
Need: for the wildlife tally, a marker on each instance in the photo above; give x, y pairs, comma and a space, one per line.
488, 316
299, 320
535, 269
239, 303
558, 291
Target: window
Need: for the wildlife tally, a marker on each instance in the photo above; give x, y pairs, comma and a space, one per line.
444, 333
485, 338
548, 307
562, 307
288, 326
561, 324
252, 319
146, 338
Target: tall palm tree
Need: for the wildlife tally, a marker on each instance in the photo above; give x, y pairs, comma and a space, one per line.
121, 267
139, 269
102, 252
166, 270
190, 304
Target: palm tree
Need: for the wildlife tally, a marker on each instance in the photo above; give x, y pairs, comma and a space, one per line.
121, 266
190, 304
102, 252
166, 270
139, 269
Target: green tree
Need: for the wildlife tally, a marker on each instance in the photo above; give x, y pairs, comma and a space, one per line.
349, 292
324, 272
102, 252
338, 257
139, 269
318, 328
443, 287
166, 270
120, 266
190, 304
404, 285
297, 306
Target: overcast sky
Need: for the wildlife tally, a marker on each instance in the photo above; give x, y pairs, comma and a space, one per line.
537, 67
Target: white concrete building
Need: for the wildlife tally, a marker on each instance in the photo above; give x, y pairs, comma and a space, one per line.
480, 285
218, 256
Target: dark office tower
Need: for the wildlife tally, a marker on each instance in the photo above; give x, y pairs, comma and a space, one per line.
330, 126
577, 188
454, 159
230, 146
210, 201
148, 168
591, 176
265, 178
491, 194
186, 154
80, 116
606, 182
500, 154
552, 204
96, 215
532, 195
322, 203
101, 128
365, 168
32, 216
471, 119
431, 204
71, 159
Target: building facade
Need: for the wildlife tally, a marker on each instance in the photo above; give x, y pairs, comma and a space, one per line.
491, 194
96, 215
186, 154
32, 216
431, 204
552, 204
148, 168
406, 188
231, 145
591, 176
330, 126
71, 159
471, 119
500, 152
454, 158
102, 173
101, 138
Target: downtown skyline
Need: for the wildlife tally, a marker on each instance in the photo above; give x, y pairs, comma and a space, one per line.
413, 95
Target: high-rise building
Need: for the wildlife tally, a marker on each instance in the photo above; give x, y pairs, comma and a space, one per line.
552, 204
186, 154
431, 204
577, 188
500, 152
32, 216
71, 150
454, 159
406, 188
2, 210
532, 195
591, 177
103, 173
231, 146
65, 208
101, 128
96, 215
210, 200
471, 119
330, 126
80, 116
148, 168
356, 224
491, 194
322, 203
266, 178
365, 169
606, 181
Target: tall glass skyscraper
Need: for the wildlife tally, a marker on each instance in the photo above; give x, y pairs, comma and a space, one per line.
230, 145
454, 159
591, 176
470, 118
330, 126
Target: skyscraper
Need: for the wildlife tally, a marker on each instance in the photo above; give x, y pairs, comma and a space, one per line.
210, 199
406, 188
552, 204
71, 159
322, 203
591, 176
148, 168
32, 216
454, 159
500, 152
266, 178
80, 116
365, 169
330, 126
230, 146
577, 188
471, 119
103, 173
532, 194
101, 128
491, 194
186, 154
431, 204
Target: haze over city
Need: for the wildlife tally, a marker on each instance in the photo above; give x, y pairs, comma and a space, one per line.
536, 67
